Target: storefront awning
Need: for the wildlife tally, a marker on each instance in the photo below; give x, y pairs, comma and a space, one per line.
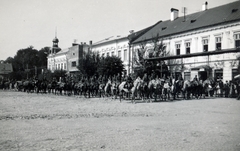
202, 68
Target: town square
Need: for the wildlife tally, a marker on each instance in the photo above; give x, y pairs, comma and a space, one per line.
50, 122
125, 75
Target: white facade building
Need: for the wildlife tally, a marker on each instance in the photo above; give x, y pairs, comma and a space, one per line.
66, 59
114, 46
58, 61
198, 39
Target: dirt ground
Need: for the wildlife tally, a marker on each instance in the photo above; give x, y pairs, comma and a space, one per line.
45, 122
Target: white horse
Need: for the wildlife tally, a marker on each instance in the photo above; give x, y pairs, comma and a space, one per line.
136, 89
107, 88
124, 87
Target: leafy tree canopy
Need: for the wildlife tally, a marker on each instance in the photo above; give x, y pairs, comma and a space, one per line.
89, 63
28, 61
111, 66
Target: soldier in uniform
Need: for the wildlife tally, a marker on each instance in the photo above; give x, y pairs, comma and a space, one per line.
118, 78
145, 78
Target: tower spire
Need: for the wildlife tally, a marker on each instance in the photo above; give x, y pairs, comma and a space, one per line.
55, 41
56, 31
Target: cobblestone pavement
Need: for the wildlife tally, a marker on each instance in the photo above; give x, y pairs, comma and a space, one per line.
48, 122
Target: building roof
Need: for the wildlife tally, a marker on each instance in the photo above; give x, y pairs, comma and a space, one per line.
210, 17
55, 40
5, 68
63, 51
137, 34
109, 39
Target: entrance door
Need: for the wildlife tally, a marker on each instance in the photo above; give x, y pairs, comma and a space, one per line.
218, 74
202, 75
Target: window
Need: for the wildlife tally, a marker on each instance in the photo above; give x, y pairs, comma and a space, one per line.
113, 53
107, 54
125, 55
178, 49
187, 75
119, 53
61, 65
237, 40
205, 45
65, 66
74, 64
234, 73
188, 44
58, 66
218, 43
218, 74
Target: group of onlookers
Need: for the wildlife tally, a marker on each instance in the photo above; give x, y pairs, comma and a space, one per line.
229, 89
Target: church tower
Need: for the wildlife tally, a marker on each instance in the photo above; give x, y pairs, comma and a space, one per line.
55, 48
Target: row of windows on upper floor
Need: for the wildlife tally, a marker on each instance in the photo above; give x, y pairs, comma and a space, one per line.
59, 66
205, 43
119, 54
104, 50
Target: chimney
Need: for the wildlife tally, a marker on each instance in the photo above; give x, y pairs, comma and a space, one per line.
174, 14
204, 6
90, 43
75, 42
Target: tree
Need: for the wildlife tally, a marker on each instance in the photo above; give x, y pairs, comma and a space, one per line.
57, 74
142, 64
26, 61
110, 66
9, 60
89, 63
42, 57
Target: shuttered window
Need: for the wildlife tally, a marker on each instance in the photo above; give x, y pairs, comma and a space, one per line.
236, 37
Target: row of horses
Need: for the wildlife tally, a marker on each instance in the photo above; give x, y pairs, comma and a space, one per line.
155, 89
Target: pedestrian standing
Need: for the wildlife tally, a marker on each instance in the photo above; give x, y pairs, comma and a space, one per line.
221, 86
238, 89
232, 89
227, 89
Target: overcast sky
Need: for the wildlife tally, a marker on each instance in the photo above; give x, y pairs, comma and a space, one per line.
33, 22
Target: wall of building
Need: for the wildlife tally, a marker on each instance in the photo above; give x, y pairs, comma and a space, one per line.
74, 54
196, 38
61, 62
117, 47
57, 61
73, 57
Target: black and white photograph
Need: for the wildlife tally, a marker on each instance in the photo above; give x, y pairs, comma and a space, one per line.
120, 75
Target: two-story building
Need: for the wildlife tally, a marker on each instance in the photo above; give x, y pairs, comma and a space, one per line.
66, 59
204, 43
74, 53
114, 46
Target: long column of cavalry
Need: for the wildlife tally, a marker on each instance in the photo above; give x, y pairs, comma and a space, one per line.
147, 88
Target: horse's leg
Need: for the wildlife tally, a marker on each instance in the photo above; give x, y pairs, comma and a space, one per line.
120, 95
